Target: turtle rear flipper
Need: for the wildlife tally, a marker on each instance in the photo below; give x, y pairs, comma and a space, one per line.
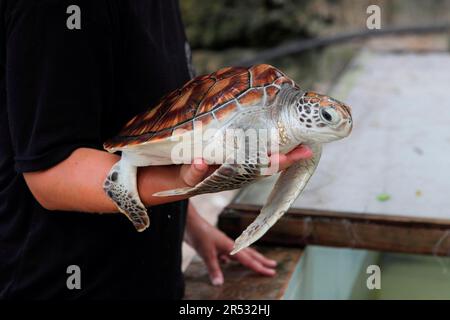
288, 187
121, 187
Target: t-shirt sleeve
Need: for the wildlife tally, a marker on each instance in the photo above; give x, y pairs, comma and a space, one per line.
58, 79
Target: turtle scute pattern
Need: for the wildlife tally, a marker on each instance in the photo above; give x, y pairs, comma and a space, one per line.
206, 98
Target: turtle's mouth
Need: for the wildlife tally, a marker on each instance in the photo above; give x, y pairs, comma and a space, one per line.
330, 138
327, 137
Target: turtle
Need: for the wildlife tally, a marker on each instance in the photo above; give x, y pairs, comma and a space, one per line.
258, 97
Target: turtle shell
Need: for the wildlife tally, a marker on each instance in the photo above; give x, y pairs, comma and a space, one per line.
212, 97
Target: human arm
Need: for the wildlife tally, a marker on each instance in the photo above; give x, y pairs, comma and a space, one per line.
76, 183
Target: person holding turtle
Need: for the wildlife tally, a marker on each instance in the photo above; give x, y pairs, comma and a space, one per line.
64, 91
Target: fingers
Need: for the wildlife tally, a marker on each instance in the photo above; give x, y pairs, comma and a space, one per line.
225, 259
250, 261
283, 161
215, 273
300, 153
248, 257
194, 173
262, 259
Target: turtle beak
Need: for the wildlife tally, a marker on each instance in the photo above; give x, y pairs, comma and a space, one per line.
346, 127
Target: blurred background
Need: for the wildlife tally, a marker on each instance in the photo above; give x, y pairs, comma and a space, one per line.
224, 32
379, 198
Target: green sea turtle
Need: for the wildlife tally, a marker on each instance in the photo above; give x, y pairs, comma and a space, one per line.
259, 97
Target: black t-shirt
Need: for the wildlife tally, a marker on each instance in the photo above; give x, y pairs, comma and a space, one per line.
62, 89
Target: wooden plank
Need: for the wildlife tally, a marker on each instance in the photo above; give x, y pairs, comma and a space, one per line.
241, 283
300, 227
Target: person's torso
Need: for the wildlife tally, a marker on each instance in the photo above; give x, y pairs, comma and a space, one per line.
37, 246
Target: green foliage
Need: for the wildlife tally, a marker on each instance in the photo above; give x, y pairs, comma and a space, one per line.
383, 197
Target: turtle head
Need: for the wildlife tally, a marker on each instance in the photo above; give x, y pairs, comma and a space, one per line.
322, 118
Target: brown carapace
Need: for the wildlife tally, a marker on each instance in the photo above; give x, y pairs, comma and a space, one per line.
206, 98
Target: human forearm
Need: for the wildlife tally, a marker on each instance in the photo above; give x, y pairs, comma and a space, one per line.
76, 184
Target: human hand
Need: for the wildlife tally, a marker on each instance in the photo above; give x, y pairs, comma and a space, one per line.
213, 245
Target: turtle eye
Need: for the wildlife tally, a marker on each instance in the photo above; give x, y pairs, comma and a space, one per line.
330, 115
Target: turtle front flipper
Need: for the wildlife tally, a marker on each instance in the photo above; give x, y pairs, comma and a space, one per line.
288, 187
121, 186
229, 176
226, 177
